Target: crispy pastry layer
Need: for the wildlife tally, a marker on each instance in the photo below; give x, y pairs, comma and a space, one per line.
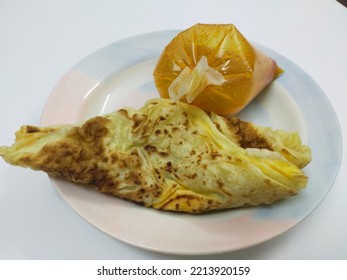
169, 156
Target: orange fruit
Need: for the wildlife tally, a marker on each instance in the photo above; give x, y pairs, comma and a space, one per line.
213, 67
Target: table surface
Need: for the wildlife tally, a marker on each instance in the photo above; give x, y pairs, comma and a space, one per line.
42, 40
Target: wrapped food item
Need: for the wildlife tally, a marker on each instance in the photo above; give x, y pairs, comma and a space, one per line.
169, 156
213, 67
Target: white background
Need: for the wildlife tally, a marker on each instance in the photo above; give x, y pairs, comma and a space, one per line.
41, 40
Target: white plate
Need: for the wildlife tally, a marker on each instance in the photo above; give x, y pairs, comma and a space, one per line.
121, 75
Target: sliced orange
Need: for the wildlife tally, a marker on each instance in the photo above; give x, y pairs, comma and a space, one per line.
213, 67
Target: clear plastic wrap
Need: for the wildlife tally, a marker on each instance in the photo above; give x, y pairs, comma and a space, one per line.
213, 67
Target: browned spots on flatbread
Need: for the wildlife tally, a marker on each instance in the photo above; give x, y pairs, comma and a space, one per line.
166, 155
248, 136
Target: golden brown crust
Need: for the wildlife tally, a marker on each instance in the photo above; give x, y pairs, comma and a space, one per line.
168, 156
246, 134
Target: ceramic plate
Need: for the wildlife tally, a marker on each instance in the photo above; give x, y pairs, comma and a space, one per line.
120, 75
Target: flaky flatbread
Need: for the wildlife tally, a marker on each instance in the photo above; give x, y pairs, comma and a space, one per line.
169, 156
